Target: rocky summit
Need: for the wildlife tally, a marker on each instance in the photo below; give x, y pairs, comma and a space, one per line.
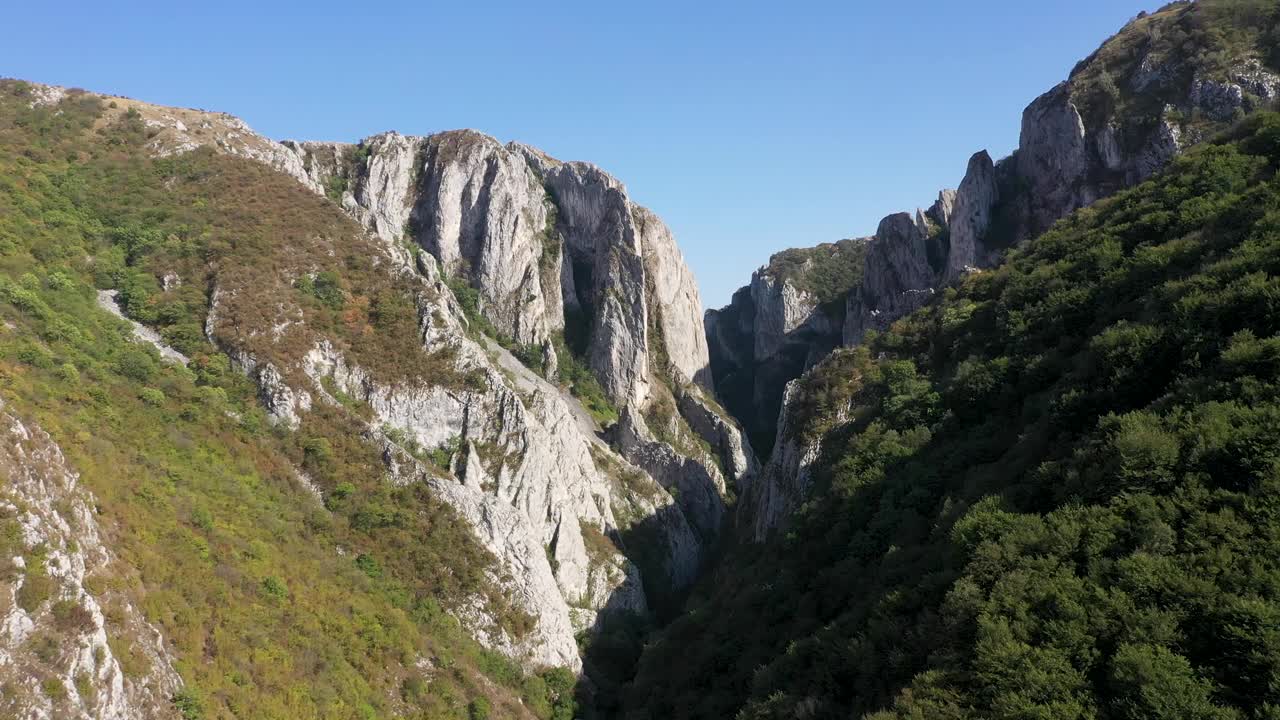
437, 427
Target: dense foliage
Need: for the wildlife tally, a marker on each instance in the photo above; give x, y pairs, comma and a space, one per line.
1058, 497
275, 605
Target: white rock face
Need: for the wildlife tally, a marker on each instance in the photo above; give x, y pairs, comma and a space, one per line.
529, 505
46, 95
971, 218
943, 207
510, 535
603, 240
55, 515
1248, 83
1053, 156
721, 433
1164, 144
781, 309
318, 163
482, 212
516, 223
469, 201
675, 299
696, 482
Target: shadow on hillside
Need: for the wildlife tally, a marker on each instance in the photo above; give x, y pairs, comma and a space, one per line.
752, 393
611, 650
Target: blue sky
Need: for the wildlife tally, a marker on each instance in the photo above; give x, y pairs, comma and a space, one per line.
749, 127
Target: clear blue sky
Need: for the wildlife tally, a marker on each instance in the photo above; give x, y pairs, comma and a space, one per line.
749, 127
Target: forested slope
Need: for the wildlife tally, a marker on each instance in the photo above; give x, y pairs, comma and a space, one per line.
1058, 495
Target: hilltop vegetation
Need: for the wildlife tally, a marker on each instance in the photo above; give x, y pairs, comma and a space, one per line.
1152, 60
275, 605
828, 271
1057, 497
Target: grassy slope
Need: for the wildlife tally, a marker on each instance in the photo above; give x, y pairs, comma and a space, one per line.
275, 606
1058, 495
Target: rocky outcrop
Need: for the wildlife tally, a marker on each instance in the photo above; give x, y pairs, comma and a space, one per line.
471, 202
781, 310
602, 241
1247, 86
722, 434
968, 223
1053, 157
536, 238
674, 300
107, 301
696, 483
56, 656
898, 277
943, 208
531, 473
527, 575
1063, 163
522, 228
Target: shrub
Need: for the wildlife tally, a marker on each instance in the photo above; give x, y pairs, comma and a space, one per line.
68, 373
71, 617
36, 586
273, 588
202, 518
478, 709
136, 364
317, 451
152, 397
369, 566
188, 704
53, 689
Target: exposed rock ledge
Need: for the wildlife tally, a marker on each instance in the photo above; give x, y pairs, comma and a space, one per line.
55, 514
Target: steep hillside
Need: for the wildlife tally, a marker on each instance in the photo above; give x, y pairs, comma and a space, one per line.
174, 554
869, 589
327, 458
1050, 493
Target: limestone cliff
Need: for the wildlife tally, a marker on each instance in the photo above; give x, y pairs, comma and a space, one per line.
538, 239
